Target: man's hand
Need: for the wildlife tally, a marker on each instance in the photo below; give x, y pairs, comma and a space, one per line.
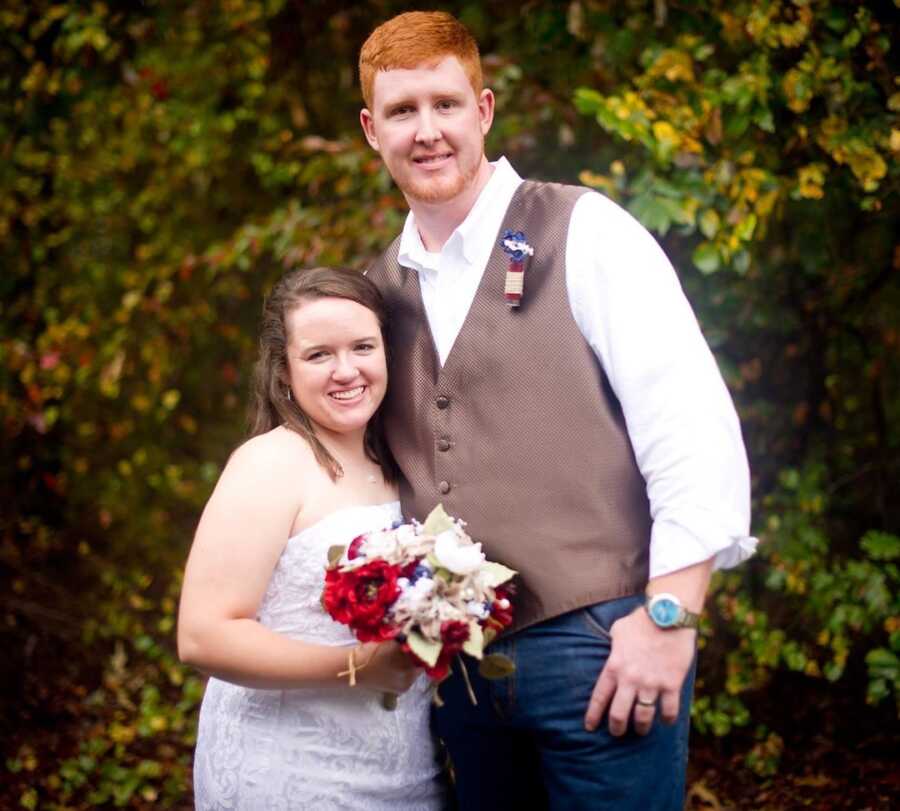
645, 670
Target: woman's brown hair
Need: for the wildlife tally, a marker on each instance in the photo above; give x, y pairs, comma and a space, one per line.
272, 404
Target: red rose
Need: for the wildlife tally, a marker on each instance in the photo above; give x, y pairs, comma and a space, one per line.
454, 632
360, 598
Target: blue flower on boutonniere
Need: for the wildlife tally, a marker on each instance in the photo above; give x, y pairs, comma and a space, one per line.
514, 244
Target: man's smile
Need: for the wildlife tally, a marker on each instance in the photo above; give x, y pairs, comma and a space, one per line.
432, 160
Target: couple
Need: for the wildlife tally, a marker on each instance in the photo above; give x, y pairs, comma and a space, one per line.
584, 435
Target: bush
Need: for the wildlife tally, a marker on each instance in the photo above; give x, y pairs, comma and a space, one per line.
163, 164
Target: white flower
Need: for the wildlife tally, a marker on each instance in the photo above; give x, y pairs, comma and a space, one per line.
405, 533
424, 586
458, 558
517, 245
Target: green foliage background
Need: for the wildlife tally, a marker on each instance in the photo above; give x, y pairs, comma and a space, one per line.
163, 162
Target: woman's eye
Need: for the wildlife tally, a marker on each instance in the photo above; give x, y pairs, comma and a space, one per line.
365, 347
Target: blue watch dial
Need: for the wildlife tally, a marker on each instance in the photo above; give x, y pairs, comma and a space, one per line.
664, 612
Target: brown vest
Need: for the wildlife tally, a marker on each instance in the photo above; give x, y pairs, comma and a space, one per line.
519, 433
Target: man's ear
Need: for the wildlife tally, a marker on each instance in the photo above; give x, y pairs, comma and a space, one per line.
486, 110
368, 126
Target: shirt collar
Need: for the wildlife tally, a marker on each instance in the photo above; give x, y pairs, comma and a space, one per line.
476, 232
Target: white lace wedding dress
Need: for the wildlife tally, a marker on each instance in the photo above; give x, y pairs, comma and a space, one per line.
273, 750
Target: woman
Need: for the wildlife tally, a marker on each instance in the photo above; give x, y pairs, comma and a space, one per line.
279, 728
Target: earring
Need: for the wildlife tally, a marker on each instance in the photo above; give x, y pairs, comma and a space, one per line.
290, 396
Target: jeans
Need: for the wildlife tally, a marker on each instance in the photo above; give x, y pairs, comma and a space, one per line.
524, 745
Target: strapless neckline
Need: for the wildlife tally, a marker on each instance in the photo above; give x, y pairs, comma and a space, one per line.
341, 511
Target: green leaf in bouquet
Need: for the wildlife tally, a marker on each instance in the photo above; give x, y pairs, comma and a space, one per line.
496, 666
496, 573
425, 649
438, 521
335, 553
474, 645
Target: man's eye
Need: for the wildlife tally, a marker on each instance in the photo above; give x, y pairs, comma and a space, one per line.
446, 104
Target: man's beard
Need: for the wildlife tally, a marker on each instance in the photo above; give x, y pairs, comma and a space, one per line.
438, 190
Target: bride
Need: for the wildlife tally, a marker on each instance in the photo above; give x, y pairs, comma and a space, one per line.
279, 728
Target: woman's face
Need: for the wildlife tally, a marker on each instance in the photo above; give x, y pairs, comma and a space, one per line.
336, 362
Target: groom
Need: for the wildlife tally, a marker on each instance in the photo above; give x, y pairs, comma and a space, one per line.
550, 386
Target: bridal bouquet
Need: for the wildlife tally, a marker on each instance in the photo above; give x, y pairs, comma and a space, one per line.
426, 585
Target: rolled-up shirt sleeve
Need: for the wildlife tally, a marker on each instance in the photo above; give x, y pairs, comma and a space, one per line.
629, 305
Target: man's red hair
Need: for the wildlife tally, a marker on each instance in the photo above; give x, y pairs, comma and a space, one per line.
418, 39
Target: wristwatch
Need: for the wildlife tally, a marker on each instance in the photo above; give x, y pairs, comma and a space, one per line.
667, 612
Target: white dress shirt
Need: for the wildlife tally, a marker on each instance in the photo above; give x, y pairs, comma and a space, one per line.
627, 301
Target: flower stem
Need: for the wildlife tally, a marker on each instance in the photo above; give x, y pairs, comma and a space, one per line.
465, 675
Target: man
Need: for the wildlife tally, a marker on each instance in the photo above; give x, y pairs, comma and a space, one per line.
584, 434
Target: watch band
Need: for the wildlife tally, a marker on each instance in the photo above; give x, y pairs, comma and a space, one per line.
667, 612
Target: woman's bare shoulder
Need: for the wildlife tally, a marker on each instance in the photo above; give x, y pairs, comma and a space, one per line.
277, 457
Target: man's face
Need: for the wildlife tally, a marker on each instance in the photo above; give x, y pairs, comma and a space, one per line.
429, 127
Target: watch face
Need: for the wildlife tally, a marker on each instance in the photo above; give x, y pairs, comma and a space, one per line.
664, 612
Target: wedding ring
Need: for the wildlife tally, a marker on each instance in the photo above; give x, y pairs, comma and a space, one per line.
643, 703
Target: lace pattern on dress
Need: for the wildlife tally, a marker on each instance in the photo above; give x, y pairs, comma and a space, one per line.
315, 748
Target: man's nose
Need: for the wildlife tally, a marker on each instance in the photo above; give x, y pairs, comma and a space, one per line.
428, 130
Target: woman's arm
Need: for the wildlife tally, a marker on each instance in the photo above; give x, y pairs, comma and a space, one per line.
241, 535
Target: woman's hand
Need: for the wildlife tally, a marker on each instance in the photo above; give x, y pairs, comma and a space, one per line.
387, 669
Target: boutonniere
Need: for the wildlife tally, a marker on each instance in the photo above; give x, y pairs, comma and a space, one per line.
514, 244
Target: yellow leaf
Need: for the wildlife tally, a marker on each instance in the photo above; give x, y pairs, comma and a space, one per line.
666, 134
121, 733
437, 521
810, 180
796, 88
496, 666
587, 178
895, 140
866, 164
493, 574
425, 649
474, 645
170, 398
699, 792
676, 66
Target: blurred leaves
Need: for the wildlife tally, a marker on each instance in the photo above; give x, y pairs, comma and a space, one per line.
758, 137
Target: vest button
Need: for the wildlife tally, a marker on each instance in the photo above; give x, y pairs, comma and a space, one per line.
442, 401
443, 444
444, 487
